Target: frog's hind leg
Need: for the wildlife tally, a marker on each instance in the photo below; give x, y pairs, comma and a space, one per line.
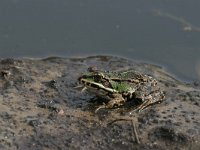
145, 104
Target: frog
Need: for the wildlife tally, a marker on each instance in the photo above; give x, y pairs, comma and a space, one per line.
119, 87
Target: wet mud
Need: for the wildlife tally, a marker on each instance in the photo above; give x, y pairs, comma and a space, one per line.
41, 109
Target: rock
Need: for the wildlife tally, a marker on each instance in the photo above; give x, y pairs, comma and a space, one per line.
42, 109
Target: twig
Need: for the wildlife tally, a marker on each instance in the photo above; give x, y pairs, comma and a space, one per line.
135, 132
121, 119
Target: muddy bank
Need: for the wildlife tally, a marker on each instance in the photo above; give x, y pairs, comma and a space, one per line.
41, 109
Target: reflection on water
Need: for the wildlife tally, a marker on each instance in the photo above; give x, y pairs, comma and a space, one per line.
187, 26
162, 32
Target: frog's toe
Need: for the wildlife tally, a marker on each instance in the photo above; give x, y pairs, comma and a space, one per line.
100, 107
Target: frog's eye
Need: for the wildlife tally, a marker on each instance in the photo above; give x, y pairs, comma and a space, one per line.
101, 75
92, 69
98, 77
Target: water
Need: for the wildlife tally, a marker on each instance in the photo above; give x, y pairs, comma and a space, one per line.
161, 32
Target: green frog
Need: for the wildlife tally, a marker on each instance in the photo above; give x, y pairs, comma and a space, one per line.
119, 87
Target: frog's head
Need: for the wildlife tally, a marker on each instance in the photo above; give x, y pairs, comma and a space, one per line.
91, 77
93, 82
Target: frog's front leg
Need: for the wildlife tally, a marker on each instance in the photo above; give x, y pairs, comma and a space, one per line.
115, 101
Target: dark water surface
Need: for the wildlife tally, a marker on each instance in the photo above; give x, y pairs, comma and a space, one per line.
158, 31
